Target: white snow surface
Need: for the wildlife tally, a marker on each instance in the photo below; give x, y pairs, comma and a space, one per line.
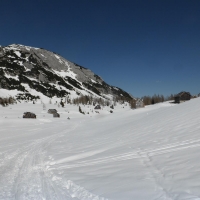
18, 53
13, 77
146, 154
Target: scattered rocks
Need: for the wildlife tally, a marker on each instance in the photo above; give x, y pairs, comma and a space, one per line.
54, 112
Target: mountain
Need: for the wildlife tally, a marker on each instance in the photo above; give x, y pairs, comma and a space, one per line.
32, 71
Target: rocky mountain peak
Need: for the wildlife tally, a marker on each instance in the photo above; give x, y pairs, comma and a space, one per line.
28, 69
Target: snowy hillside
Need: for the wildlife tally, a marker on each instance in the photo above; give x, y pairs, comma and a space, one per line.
36, 72
144, 154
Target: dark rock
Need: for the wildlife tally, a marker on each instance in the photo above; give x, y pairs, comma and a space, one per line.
29, 115
112, 107
56, 115
97, 107
52, 111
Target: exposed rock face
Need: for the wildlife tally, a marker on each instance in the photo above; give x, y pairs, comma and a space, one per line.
26, 68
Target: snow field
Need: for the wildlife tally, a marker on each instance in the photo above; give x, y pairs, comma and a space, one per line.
149, 153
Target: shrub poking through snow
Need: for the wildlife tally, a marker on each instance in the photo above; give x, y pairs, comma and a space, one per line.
112, 107
62, 104
7, 101
97, 107
80, 110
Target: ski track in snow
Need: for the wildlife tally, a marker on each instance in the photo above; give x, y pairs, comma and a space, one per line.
29, 178
178, 146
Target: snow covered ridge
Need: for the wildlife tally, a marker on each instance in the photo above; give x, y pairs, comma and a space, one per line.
50, 74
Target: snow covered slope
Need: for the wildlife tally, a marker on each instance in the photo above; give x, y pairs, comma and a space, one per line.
144, 154
31, 70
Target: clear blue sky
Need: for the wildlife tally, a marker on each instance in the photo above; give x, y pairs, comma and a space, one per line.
145, 47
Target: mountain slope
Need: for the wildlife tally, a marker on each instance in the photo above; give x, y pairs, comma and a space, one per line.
26, 68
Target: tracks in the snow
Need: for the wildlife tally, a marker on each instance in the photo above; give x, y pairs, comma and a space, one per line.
134, 154
23, 170
24, 174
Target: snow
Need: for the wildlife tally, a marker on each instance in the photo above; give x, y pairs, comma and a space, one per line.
143, 154
18, 53
63, 74
13, 77
43, 55
32, 79
8, 93
93, 81
60, 61
27, 48
10, 56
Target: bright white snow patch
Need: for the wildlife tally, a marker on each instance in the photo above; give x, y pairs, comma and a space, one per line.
93, 81
63, 73
43, 55
17, 53
9, 56
60, 61
7, 93
13, 77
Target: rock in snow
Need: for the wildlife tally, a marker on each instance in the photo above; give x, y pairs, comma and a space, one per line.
29, 115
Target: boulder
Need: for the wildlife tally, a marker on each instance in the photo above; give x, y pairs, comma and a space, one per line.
56, 115
52, 111
29, 115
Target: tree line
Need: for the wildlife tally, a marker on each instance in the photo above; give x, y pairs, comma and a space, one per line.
6, 101
149, 100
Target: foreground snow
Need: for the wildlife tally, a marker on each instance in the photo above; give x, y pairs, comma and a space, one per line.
149, 153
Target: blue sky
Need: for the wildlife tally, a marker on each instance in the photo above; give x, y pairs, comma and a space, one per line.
145, 47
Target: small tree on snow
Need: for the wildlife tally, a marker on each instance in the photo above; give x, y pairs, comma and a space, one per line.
80, 110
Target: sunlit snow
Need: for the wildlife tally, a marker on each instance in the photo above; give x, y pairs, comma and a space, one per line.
144, 154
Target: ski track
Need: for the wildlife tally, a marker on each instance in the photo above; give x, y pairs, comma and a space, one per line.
29, 178
135, 154
156, 175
